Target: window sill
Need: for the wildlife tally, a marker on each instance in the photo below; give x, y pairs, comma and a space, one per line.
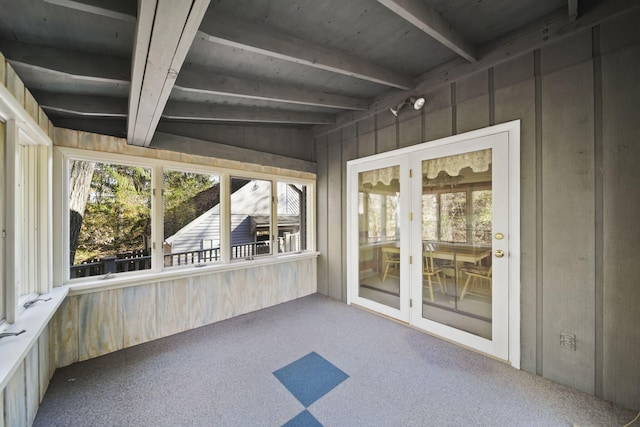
121, 280
33, 320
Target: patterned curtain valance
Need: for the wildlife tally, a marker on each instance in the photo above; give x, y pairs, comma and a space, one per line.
384, 176
478, 161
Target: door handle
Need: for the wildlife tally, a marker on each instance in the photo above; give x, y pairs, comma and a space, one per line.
499, 253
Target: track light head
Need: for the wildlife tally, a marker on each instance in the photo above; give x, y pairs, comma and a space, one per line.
416, 102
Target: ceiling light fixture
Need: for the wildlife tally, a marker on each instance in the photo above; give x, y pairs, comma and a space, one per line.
417, 102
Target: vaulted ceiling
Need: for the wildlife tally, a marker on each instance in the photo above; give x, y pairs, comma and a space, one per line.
122, 67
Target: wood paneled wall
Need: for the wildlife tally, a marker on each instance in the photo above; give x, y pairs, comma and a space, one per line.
579, 105
91, 324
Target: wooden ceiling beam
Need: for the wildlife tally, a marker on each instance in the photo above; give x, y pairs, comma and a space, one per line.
165, 30
430, 22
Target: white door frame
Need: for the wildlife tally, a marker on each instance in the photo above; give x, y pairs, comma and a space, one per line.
512, 130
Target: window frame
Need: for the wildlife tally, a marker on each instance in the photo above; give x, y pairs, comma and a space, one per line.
62, 157
26, 194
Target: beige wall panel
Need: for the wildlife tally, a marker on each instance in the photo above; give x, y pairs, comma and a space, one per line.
307, 275
44, 363
52, 350
513, 103
240, 295
15, 404
472, 87
620, 32
410, 130
173, 307
334, 207
322, 184
32, 383
30, 105
472, 114
573, 50
568, 224
3, 70
66, 137
65, 326
99, 323
288, 281
366, 144
139, 314
264, 276
621, 149
43, 120
203, 294
437, 124
2, 424
252, 291
515, 71
14, 84
387, 138
223, 307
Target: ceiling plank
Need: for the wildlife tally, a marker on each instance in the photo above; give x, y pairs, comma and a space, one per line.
549, 29
76, 65
207, 83
175, 24
251, 37
120, 10
573, 10
429, 21
190, 111
82, 105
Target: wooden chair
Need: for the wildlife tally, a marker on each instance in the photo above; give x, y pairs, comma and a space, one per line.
430, 269
390, 260
480, 273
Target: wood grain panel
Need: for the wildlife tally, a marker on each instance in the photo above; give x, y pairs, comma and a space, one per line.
44, 360
366, 144
173, 307
387, 138
203, 298
14, 84
65, 323
568, 224
32, 384
99, 323
471, 87
15, 404
139, 314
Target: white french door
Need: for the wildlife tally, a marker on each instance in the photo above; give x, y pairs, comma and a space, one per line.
433, 238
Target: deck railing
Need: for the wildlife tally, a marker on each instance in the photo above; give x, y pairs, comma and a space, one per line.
141, 260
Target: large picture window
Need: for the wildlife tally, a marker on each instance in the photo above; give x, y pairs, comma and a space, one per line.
145, 216
109, 218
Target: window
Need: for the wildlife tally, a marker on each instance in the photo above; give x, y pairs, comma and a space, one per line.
191, 218
109, 218
251, 204
124, 216
292, 217
24, 189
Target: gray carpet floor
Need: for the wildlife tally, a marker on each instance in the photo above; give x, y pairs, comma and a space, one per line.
222, 375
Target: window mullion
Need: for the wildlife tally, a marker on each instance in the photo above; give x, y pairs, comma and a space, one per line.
157, 219
225, 217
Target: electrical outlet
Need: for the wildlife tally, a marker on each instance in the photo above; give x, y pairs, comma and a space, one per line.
568, 341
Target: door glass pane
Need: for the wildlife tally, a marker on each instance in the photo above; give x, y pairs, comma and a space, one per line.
379, 235
456, 241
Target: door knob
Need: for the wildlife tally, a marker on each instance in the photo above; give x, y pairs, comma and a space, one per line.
499, 253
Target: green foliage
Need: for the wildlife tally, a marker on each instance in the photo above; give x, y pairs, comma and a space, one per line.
186, 196
117, 215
